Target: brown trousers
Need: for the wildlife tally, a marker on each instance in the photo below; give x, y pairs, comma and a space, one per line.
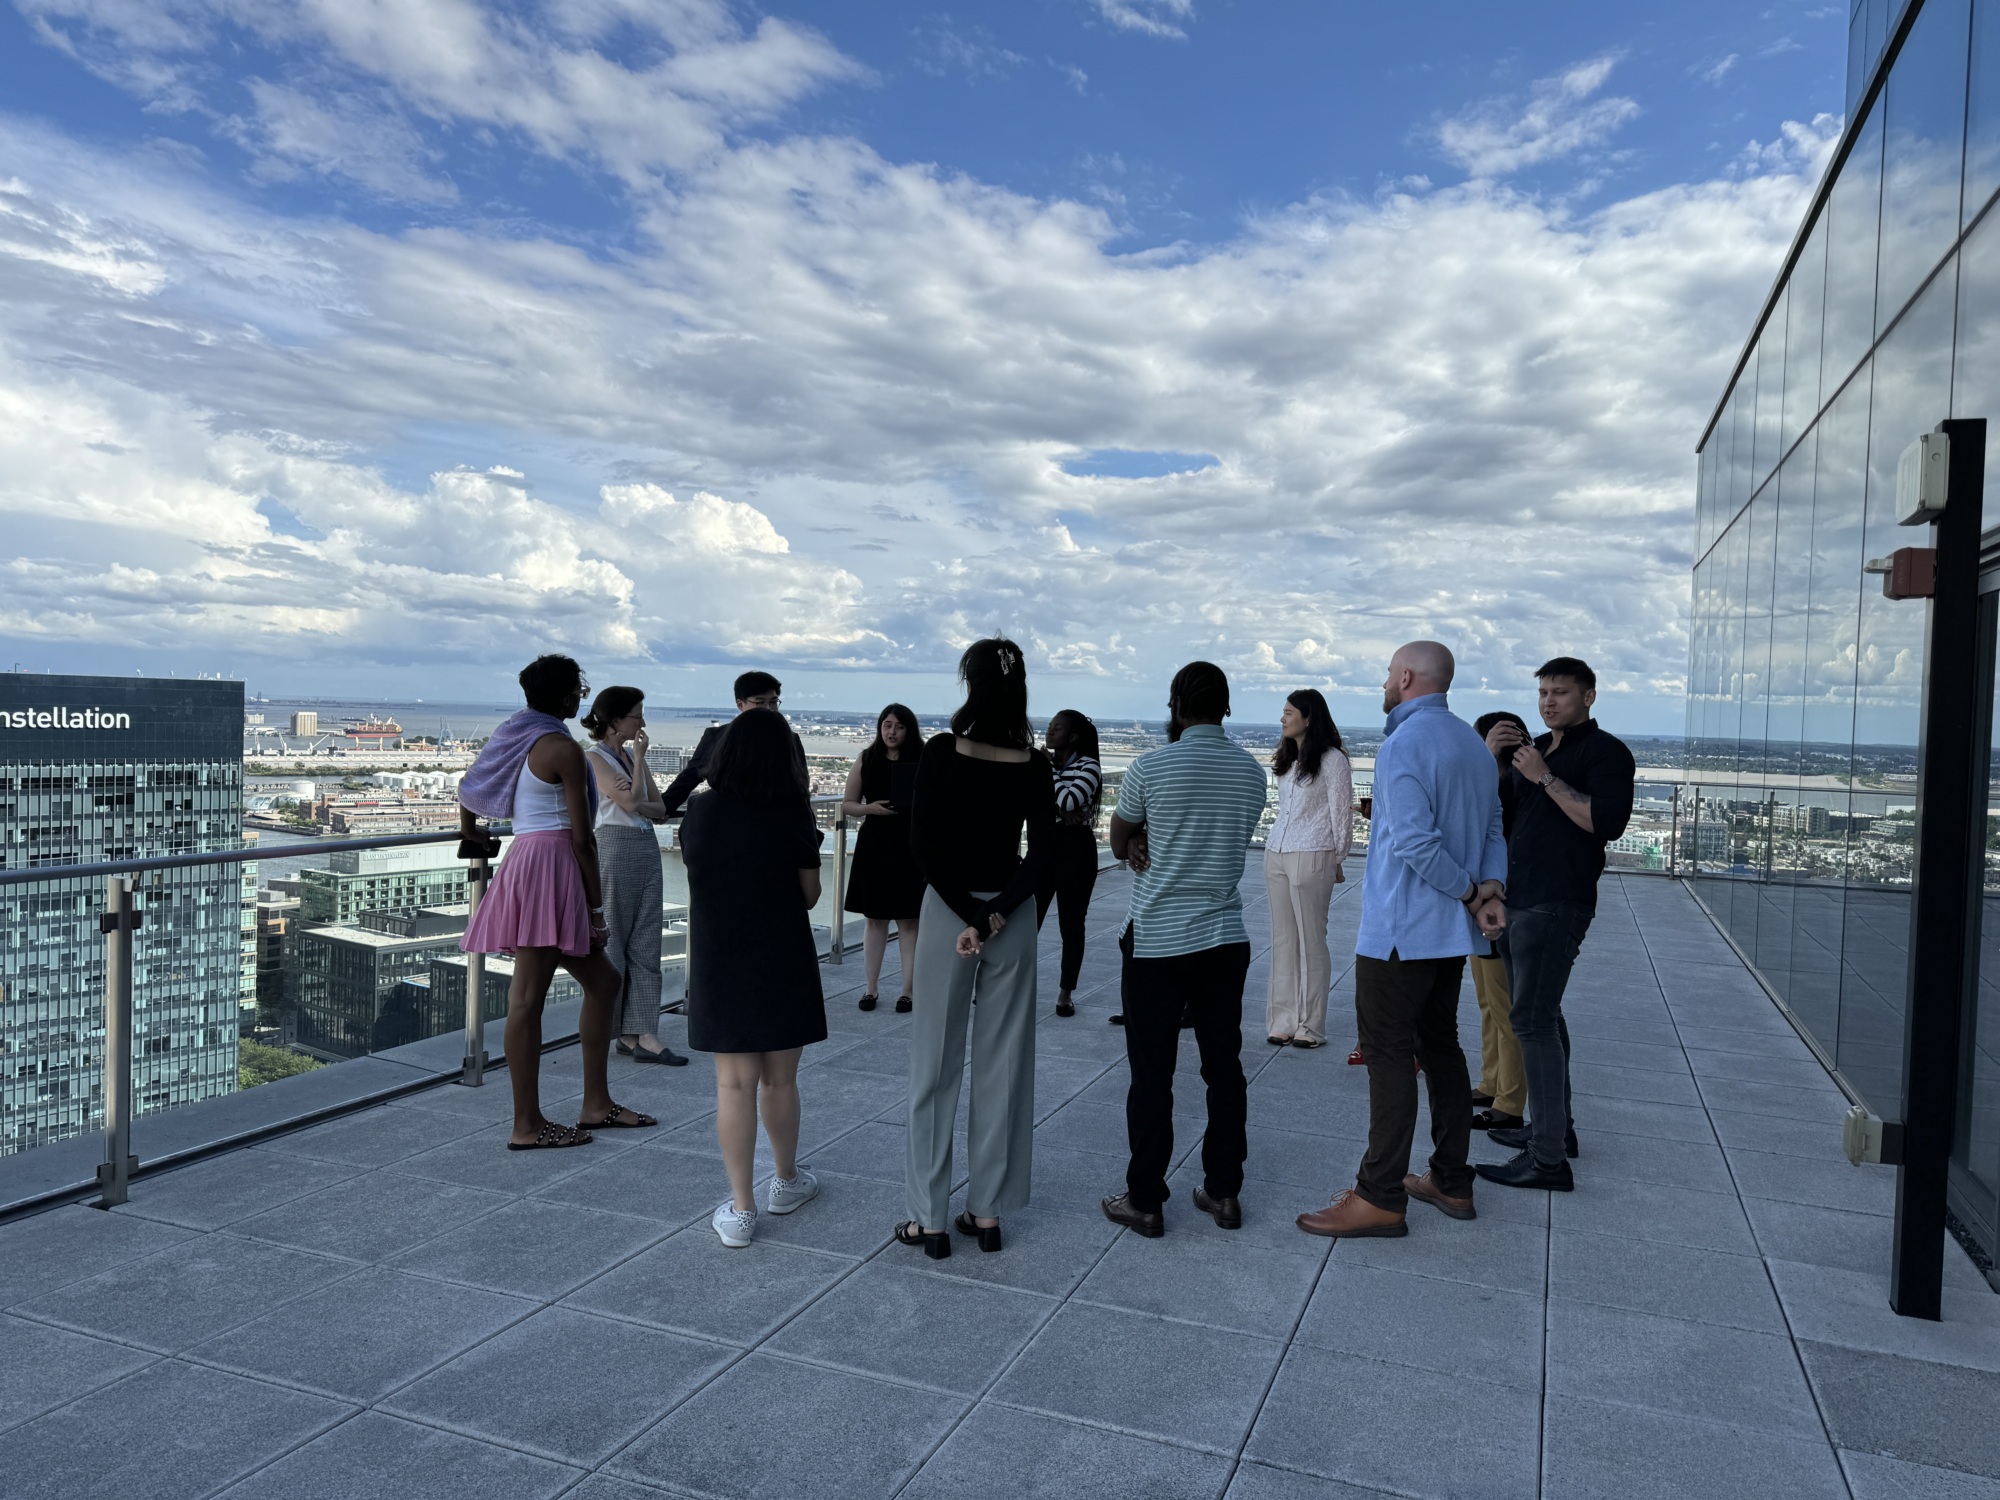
1406, 1011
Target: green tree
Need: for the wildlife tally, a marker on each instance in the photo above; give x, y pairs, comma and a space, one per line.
257, 1063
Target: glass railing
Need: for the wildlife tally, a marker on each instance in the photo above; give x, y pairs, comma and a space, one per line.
156, 1009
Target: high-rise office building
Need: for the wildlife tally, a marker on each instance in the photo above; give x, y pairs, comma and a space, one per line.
1805, 681
103, 768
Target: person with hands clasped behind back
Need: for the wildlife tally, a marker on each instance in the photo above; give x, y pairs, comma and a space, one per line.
1434, 894
977, 788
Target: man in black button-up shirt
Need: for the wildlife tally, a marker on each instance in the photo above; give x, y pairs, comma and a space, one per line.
1569, 794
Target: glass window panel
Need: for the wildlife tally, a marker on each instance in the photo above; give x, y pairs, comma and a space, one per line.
1854, 216
1982, 110
1857, 54
1805, 311
1923, 154
1704, 501
1731, 589
1975, 379
1742, 441
1976, 1145
1912, 390
1827, 739
1752, 799
1785, 720
1768, 424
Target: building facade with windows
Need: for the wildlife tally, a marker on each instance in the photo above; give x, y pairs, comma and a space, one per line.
103, 768
357, 882
1805, 681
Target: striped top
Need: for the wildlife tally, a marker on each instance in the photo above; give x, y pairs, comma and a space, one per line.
1079, 782
1200, 800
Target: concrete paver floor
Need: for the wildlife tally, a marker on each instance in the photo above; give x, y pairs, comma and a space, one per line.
391, 1305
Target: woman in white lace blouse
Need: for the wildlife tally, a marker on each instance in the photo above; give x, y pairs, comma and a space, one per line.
1302, 859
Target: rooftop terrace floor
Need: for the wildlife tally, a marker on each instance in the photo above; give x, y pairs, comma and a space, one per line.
391, 1305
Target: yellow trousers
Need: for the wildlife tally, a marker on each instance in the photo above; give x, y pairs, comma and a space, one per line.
1500, 1070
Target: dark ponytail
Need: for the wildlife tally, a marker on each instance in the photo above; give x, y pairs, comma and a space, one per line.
610, 705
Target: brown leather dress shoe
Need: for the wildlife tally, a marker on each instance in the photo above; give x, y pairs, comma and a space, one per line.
1226, 1211
1120, 1209
1352, 1217
1426, 1191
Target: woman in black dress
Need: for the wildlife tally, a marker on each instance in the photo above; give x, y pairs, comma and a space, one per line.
754, 1000
885, 884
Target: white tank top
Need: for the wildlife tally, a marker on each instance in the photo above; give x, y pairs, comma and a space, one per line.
609, 813
539, 806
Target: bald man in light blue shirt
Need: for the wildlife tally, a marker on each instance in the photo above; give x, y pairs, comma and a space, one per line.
1436, 874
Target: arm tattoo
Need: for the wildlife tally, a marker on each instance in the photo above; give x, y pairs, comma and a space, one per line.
1576, 804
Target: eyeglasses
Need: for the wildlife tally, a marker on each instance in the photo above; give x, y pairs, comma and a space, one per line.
764, 700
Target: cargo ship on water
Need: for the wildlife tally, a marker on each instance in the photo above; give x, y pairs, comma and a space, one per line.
372, 731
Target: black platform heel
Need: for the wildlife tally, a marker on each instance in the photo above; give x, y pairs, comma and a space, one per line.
936, 1246
989, 1239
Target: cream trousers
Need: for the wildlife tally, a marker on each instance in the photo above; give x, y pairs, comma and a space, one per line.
1300, 887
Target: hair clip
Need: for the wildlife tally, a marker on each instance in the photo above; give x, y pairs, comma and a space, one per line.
1006, 661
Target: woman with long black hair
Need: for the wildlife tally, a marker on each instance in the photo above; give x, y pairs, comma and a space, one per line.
977, 788
1302, 858
884, 883
1071, 873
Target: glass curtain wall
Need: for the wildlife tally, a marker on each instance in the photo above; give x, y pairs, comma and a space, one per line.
1804, 682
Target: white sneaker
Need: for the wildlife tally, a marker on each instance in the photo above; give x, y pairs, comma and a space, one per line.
734, 1226
787, 1196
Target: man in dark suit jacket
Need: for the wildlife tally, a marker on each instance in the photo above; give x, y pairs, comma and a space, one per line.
753, 690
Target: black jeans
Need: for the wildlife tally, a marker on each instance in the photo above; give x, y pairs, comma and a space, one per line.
1406, 1011
1072, 876
1208, 987
1542, 944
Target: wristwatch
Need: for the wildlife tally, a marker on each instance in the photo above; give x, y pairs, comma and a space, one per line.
1547, 777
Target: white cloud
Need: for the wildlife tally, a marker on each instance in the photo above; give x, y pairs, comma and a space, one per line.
1718, 70
364, 140
1559, 118
813, 410
1163, 18
536, 72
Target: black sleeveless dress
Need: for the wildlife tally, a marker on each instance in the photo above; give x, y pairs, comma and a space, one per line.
883, 879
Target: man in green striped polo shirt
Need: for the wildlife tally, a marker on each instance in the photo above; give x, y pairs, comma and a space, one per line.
1184, 819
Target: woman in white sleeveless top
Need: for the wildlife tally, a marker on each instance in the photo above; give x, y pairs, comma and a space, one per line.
628, 867
544, 905
1303, 854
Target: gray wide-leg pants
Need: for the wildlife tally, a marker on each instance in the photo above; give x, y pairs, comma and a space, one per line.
1001, 1120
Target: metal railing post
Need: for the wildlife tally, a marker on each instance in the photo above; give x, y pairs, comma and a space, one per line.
473, 1074
1674, 838
119, 922
836, 949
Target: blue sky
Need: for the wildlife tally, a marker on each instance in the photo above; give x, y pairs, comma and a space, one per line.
372, 346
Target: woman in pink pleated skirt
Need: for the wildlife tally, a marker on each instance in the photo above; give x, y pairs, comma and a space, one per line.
545, 906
